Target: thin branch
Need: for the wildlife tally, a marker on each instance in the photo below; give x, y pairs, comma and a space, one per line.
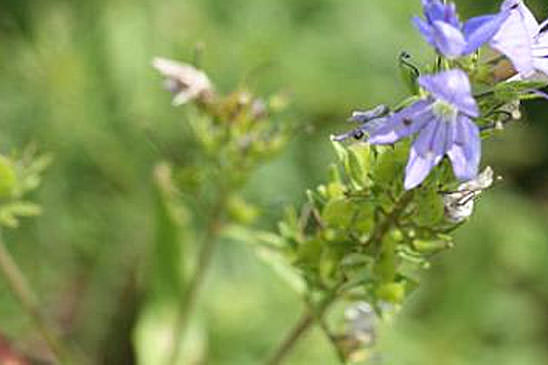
21, 290
190, 295
325, 328
302, 326
390, 219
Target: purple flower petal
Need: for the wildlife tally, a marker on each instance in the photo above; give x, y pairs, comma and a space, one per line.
541, 64
436, 11
449, 40
514, 38
482, 29
402, 123
453, 87
465, 148
425, 29
529, 20
426, 152
442, 28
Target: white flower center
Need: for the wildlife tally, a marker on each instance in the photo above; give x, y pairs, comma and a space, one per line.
444, 110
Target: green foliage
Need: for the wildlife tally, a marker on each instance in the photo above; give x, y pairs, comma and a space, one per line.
363, 231
76, 80
232, 135
19, 176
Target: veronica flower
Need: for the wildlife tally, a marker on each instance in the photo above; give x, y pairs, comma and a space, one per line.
443, 124
523, 40
443, 30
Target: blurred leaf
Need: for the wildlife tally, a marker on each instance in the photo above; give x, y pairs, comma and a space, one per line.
11, 212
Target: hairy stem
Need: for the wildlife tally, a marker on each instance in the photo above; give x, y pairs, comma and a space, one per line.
190, 294
21, 290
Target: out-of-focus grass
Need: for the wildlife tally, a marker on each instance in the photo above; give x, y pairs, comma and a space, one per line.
76, 81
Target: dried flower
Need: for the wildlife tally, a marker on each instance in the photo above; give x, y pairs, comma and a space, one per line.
459, 204
184, 81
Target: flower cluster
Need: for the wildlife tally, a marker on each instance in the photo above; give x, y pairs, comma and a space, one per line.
443, 118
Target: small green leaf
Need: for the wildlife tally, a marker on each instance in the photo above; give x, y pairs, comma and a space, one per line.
358, 164
429, 207
341, 152
338, 213
8, 178
431, 246
11, 212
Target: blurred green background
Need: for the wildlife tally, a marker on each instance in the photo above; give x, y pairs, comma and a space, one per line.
75, 80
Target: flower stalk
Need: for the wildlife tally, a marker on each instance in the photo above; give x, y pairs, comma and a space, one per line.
310, 316
20, 288
192, 289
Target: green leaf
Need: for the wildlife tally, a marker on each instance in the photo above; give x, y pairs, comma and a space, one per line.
168, 266
8, 178
11, 212
429, 206
390, 164
358, 164
338, 213
280, 265
341, 152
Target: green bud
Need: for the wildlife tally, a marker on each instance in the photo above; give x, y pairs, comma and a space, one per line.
323, 191
329, 234
240, 211
391, 292
431, 246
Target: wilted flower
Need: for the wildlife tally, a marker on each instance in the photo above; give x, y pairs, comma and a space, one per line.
443, 30
361, 322
523, 40
443, 121
459, 204
184, 81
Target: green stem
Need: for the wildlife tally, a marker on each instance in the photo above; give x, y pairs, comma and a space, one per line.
305, 322
390, 220
192, 291
340, 353
21, 290
292, 337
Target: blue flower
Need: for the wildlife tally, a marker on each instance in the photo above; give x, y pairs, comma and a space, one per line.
443, 30
523, 40
443, 124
